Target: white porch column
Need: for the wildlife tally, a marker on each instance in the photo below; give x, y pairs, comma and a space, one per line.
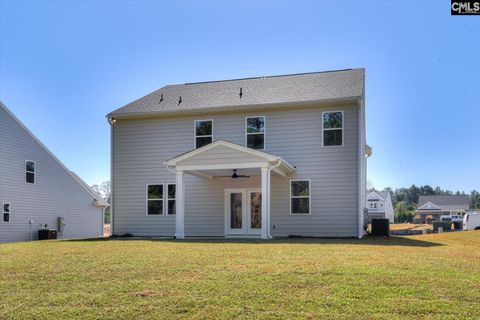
265, 195
180, 210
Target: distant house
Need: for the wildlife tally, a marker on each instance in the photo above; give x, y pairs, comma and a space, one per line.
379, 205
431, 208
37, 189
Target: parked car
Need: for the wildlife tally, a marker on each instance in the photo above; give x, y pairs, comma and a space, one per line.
471, 221
451, 218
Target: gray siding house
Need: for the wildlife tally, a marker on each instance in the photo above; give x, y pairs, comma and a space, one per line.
260, 157
37, 189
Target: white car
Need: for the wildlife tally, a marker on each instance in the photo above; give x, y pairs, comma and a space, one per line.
471, 221
451, 218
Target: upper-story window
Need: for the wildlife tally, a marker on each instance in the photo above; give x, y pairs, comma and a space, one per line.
255, 132
203, 132
30, 171
332, 128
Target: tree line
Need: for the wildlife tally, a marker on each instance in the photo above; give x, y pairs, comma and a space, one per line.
405, 200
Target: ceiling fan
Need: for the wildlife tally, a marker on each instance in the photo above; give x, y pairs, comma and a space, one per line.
235, 175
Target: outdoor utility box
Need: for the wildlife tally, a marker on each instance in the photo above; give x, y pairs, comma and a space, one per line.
60, 225
380, 227
47, 234
447, 226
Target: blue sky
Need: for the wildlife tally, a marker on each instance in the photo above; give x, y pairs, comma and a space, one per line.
65, 64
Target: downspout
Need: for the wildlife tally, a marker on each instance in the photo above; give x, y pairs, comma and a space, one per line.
279, 162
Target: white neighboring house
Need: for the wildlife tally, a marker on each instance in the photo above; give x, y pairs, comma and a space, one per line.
37, 189
379, 204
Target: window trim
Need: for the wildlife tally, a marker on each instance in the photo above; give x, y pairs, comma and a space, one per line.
168, 199
34, 172
343, 129
195, 132
9, 212
264, 131
146, 200
290, 197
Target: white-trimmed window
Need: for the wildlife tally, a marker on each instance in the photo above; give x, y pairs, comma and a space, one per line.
171, 199
255, 132
155, 199
6, 212
30, 171
300, 196
332, 123
203, 133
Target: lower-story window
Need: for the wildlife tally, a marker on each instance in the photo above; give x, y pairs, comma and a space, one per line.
171, 198
6, 212
155, 199
300, 196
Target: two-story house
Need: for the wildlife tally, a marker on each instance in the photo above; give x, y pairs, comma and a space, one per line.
36, 189
379, 205
259, 157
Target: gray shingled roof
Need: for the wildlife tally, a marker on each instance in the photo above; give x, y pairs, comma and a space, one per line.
306, 87
447, 202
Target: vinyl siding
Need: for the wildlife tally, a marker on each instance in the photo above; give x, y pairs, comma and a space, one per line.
141, 146
54, 194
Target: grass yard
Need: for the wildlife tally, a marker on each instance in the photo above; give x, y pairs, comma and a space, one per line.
409, 226
428, 276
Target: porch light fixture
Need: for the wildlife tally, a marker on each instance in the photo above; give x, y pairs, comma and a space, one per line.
161, 98
180, 100
241, 93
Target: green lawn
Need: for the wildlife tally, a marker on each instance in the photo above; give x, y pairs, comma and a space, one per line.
428, 276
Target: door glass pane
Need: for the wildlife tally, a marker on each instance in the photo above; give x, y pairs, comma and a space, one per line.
236, 210
255, 210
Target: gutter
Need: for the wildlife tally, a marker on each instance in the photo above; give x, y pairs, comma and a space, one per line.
113, 115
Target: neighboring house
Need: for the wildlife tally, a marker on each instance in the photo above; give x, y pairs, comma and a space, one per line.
431, 208
257, 157
37, 189
379, 204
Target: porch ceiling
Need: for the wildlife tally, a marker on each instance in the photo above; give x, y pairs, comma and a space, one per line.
227, 173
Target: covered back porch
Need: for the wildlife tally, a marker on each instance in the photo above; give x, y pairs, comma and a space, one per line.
246, 208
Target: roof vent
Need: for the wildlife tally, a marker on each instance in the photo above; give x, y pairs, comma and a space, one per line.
180, 100
161, 98
241, 93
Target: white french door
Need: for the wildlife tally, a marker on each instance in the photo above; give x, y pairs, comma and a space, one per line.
243, 212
